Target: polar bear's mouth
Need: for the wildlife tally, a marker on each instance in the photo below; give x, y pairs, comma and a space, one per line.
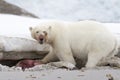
41, 40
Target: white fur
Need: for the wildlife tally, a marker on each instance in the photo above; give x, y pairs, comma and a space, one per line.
84, 39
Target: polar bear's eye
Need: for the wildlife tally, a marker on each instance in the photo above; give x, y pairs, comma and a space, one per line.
37, 31
45, 32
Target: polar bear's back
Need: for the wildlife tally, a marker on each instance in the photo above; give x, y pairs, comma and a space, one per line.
85, 36
87, 25
88, 29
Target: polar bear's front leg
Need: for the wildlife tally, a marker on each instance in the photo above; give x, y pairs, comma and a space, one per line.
49, 57
63, 64
66, 59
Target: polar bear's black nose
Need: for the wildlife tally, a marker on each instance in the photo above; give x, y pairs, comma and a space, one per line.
41, 39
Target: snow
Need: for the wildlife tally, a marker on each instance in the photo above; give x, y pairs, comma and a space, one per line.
113, 27
73, 10
16, 26
47, 72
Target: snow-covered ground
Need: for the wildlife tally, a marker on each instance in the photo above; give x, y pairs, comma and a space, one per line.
47, 72
100, 10
16, 26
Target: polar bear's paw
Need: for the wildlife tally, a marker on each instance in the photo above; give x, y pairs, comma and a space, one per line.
63, 64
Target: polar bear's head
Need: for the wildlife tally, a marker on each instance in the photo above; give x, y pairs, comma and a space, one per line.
41, 33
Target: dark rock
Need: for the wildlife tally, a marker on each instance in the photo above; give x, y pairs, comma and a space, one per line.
8, 8
12, 58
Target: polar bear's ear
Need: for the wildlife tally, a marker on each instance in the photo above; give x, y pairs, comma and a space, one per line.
30, 28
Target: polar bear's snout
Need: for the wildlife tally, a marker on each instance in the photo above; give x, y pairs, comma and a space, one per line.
41, 39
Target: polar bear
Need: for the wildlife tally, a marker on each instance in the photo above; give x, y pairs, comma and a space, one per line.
85, 40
